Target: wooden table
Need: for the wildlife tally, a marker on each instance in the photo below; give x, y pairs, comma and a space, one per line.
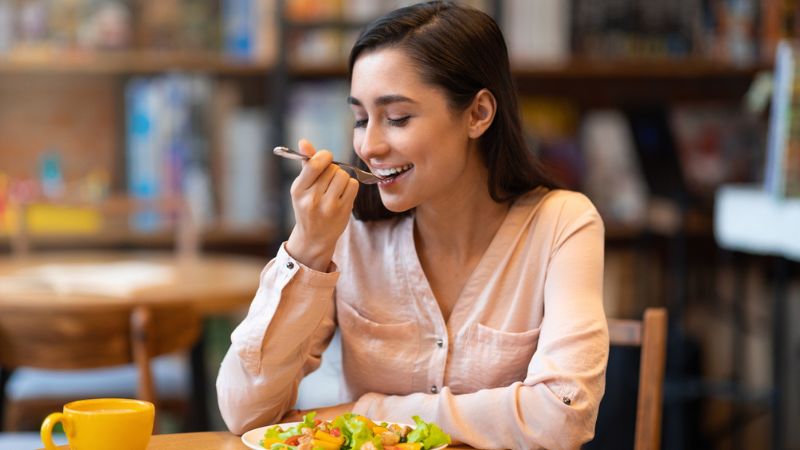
218, 440
213, 284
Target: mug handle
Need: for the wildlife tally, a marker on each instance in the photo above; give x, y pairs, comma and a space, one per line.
47, 429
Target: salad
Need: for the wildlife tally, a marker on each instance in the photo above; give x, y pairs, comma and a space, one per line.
354, 432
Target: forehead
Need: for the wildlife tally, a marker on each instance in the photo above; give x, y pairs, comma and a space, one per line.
387, 71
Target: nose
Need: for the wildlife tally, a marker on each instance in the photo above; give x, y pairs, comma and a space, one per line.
372, 144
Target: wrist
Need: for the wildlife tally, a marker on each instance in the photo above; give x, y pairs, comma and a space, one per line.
315, 257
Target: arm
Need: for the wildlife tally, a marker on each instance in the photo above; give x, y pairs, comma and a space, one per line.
288, 326
291, 318
556, 405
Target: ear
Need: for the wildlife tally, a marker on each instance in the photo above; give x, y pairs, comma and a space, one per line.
481, 113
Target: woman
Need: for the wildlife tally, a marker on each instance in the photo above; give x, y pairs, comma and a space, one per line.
467, 291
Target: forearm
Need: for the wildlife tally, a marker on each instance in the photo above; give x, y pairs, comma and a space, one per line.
289, 324
247, 402
518, 416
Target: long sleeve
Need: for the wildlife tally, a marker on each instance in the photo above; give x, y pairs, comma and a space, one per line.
556, 404
288, 326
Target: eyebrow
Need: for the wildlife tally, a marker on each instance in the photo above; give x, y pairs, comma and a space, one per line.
383, 100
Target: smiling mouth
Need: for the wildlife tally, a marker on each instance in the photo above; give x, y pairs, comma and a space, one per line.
392, 173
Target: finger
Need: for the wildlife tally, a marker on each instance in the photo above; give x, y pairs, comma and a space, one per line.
306, 147
324, 181
338, 184
350, 192
313, 169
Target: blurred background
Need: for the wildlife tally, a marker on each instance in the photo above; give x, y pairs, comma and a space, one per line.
672, 116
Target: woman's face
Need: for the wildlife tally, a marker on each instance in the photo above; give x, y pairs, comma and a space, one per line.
405, 130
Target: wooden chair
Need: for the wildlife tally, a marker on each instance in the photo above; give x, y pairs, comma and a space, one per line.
76, 339
80, 338
651, 335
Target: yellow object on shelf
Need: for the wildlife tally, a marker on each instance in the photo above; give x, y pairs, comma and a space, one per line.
60, 219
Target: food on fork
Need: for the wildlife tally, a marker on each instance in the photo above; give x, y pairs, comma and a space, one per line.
354, 432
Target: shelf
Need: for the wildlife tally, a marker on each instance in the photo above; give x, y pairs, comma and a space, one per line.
582, 69
677, 69
216, 235
126, 62
148, 61
301, 25
616, 84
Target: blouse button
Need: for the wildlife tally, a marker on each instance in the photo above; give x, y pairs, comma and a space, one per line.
439, 343
566, 400
434, 389
290, 265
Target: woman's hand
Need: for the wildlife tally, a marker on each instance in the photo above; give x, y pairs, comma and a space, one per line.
322, 199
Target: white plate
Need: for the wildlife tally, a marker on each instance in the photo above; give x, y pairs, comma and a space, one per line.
252, 437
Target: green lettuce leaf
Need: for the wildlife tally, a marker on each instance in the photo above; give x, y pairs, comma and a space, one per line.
356, 433
281, 446
428, 434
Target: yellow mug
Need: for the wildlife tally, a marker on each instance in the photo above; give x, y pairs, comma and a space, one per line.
103, 424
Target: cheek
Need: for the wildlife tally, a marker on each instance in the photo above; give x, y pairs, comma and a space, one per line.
357, 139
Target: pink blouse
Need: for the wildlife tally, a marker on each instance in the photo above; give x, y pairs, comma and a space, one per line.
519, 364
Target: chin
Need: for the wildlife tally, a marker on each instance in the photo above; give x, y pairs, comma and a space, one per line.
396, 209
396, 206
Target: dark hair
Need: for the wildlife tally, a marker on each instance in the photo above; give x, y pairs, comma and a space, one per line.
460, 50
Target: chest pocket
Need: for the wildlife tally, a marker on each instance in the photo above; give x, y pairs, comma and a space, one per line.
496, 358
380, 356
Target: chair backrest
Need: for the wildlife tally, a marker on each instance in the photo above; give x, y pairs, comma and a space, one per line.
651, 335
84, 338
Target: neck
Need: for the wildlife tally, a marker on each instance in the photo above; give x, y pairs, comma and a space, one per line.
461, 225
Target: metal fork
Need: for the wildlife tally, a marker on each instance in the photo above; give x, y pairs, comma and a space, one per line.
361, 175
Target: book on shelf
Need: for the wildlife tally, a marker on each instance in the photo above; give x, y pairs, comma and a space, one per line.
6, 27
550, 127
242, 29
780, 19
249, 29
244, 166
537, 31
40, 25
177, 24
727, 30
717, 144
614, 179
318, 112
654, 141
635, 28
167, 147
782, 167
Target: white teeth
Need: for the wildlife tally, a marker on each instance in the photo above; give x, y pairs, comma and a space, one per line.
392, 171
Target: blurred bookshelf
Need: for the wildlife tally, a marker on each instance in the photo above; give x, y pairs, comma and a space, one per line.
129, 62
646, 107
266, 46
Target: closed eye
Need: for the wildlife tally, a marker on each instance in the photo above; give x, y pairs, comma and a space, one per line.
398, 122
360, 123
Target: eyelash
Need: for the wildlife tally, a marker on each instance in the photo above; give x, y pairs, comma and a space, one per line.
399, 122
394, 122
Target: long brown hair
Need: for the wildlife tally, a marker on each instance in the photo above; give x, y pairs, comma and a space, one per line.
460, 50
